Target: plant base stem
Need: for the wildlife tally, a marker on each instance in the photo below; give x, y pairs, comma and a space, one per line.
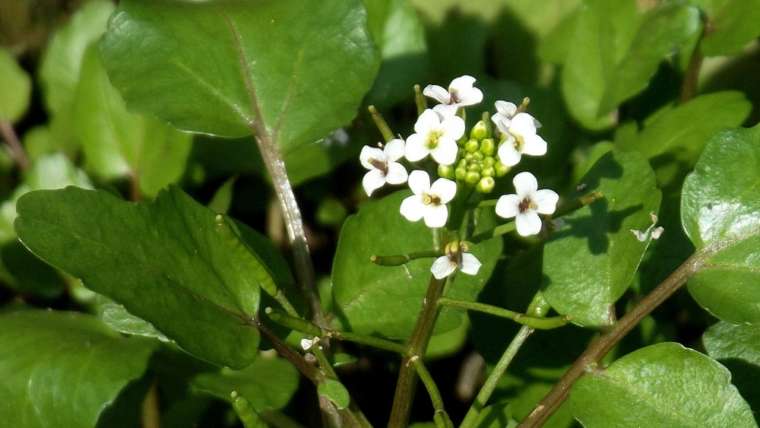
407, 377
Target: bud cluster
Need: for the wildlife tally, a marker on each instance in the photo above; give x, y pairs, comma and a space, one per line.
477, 163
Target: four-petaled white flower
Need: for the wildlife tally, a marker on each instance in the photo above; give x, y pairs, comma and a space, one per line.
382, 165
435, 135
457, 259
527, 204
461, 93
428, 202
521, 138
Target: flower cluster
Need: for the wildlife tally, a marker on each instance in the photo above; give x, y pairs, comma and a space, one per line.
473, 159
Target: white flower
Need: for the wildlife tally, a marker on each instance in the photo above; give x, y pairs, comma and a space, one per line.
505, 111
446, 265
461, 93
435, 135
520, 131
382, 165
428, 202
307, 344
527, 204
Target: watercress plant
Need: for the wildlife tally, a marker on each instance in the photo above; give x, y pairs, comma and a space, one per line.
258, 213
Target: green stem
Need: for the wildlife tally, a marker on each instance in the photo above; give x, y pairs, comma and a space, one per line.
375, 342
419, 100
538, 307
17, 150
304, 326
423, 329
502, 229
277, 419
403, 259
440, 417
537, 323
381, 124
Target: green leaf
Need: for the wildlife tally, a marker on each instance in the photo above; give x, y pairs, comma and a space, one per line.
53, 171
171, 262
683, 131
614, 52
720, 212
63, 368
309, 64
116, 316
222, 199
401, 39
731, 24
591, 260
118, 143
667, 385
62, 61
384, 299
268, 383
738, 348
335, 392
732, 341
17, 88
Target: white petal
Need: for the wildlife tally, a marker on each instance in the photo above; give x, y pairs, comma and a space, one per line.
461, 83
427, 121
419, 182
525, 184
506, 108
373, 180
416, 149
523, 124
534, 145
528, 223
453, 127
443, 267
508, 206
470, 264
412, 208
501, 122
546, 201
368, 153
437, 93
508, 154
470, 97
446, 151
445, 189
446, 110
396, 173
306, 344
436, 215
394, 149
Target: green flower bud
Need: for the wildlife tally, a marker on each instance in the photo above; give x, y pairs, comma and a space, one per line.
485, 185
446, 171
487, 147
472, 177
468, 157
478, 155
473, 167
501, 169
488, 171
472, 146
460, 173
479, 131
489, 161
462, 163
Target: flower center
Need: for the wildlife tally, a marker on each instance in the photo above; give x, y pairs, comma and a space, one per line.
454, 96
432, 139
526, 204
429, 199
519, 142
379, 164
